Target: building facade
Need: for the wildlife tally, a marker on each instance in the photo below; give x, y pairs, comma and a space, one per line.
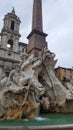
64, 74
10, 47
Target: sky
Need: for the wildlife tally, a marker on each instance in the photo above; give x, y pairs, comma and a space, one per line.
57, 23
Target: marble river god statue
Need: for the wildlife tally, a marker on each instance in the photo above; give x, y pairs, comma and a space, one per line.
32, 88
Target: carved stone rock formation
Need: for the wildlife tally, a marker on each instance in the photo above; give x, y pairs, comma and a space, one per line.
32, 87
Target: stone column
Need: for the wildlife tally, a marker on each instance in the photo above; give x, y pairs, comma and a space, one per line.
37, 38
37, 15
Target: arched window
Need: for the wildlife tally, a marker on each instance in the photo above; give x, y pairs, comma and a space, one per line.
10, 44
12, 25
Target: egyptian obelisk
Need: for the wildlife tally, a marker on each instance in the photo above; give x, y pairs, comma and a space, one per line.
37, 38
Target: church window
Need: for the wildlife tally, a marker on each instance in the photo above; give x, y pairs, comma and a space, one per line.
10, 44
12, 25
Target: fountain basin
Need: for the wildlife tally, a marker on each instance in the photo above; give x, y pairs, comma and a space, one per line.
58, 127
44, 122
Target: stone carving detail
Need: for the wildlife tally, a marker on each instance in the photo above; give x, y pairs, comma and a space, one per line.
32, 87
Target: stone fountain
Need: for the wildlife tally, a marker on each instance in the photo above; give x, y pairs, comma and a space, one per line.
32, 88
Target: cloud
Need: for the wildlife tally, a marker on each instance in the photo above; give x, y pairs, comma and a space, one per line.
60, 29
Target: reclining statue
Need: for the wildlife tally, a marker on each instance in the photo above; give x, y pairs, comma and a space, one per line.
19, 78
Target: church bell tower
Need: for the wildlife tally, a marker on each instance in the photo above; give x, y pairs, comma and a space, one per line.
10, 32
9, 44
